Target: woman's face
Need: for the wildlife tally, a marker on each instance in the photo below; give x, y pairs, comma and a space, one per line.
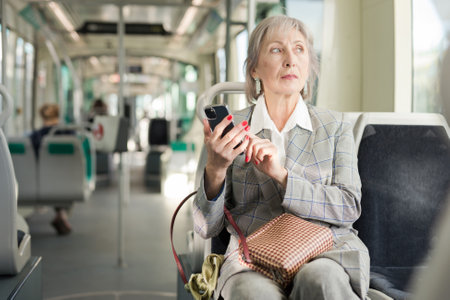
283, 64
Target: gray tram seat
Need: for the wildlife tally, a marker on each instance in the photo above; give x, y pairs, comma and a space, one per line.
66, 167
432, 283
159, 141
25, 168
15, 240
404, 164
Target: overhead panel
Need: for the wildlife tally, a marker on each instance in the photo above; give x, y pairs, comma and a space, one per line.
130, 28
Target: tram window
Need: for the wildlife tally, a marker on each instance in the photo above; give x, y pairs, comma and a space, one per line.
309, 12
18, 85
431, 56
241, 49
221, 61
28, 90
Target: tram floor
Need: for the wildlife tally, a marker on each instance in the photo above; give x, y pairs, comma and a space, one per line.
84, 264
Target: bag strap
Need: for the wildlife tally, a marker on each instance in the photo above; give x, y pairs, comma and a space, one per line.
242, 239
172, 223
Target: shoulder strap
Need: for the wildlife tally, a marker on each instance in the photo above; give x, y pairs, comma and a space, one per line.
177, 259
242, 239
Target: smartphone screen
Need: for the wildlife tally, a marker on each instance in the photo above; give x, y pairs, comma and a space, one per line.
215, 114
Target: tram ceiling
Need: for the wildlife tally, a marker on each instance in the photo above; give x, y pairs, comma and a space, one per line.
178, 28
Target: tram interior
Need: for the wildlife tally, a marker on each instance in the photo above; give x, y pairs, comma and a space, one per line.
121, 169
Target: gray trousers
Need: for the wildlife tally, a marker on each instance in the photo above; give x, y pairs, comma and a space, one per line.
322, 278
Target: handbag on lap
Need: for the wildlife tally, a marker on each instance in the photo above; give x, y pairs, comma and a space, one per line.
278, 248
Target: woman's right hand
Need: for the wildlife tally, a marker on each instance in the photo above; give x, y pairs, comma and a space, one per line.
221, 152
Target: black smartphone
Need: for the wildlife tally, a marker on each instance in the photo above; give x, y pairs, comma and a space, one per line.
215, 114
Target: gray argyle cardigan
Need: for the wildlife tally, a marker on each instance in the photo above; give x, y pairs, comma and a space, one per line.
323, 187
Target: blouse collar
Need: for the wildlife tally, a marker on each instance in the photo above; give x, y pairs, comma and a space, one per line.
261, 118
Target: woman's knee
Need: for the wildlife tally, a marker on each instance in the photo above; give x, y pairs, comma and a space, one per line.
251, 285
320, 279
320, 270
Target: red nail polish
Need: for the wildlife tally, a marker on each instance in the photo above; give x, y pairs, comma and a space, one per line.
247, 128
247, 159
246, 137
244, 123
229, 117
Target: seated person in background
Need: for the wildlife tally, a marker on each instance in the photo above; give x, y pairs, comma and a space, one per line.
49, 113
298, 159
98, 108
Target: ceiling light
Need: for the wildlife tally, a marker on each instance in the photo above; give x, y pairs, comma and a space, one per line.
187, 20
59, 13
75, 36
188, 17
94, 61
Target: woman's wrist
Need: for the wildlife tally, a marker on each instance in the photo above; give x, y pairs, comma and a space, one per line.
214, 180
281, 177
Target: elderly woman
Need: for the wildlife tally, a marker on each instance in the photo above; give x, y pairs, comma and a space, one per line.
298, 159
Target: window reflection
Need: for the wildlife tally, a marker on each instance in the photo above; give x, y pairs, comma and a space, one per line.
431, 32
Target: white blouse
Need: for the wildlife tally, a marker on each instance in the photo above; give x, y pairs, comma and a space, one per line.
261, 120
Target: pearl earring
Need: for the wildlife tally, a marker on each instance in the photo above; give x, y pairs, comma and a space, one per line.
257, 85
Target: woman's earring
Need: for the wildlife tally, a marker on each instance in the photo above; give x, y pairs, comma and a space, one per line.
305, 89
257, 85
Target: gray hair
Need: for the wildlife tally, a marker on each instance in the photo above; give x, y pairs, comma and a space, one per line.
269, 25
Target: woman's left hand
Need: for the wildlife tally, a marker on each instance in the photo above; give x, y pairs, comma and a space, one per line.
263, 153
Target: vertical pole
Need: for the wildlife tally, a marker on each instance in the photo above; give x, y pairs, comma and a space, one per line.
4, 41
122, 194
227, 41
4, 46
227, 48
77, 90
251, 13
52, 50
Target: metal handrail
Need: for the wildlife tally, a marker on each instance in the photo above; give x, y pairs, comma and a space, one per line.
219, 88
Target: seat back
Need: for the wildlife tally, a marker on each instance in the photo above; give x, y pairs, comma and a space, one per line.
25, 168
404, 164
66, 168
158, 132
14, 243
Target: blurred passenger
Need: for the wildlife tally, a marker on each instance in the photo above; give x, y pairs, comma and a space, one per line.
103, 161
49, 113
98, 108
298, 159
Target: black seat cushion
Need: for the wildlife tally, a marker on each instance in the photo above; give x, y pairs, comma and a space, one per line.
20, 236
158, 132
405, 174
219, 243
